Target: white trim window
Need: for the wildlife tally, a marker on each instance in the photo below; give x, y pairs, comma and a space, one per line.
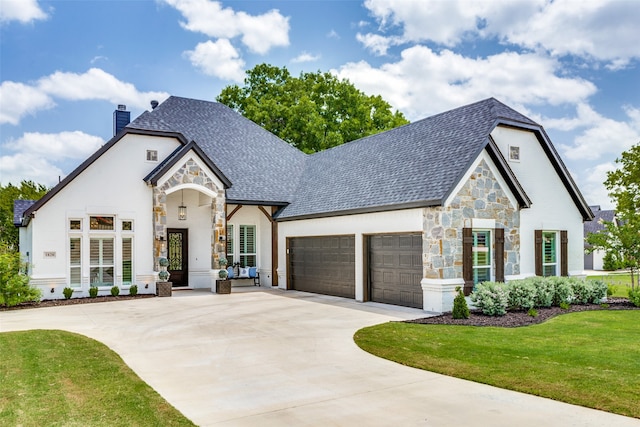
75, 261
127, 261
481, 252
101, 261
247, 246
549, 253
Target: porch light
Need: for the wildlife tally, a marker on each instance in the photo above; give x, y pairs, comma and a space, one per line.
182, 209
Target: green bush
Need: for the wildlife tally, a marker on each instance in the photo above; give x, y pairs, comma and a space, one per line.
67, 293
634, 296
133, 290
563, 291
492, 298
115, 291
93, 291
14, 284
599, 290
545, 291
565, 305
522, 294
611, 289
532, 312
581, 291
460, 307
610, 262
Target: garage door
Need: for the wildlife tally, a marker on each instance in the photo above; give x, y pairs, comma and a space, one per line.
324, 265
395, 269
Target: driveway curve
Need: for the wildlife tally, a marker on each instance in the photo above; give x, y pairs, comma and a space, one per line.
276, 358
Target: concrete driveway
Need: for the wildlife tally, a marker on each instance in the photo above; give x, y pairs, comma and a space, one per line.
276, 358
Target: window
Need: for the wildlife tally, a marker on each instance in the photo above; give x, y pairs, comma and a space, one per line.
101, 223
75, 224
514, 153
549, 253
230, 247
127, 226
101, 261
481, 252
127, 261
247, 248
152, 155
75, 262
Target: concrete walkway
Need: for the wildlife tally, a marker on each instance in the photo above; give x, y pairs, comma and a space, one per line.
275, 358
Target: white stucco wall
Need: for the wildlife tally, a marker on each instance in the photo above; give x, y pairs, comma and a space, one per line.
401, 221
552, 208
112, 185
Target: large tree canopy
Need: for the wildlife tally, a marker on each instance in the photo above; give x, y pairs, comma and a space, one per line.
623, 239
28, 190
312, 112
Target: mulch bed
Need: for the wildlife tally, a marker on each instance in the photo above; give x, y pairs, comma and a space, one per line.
73, 301
514, 319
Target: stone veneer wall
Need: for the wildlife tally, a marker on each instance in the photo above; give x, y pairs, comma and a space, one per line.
481, 197
190, 173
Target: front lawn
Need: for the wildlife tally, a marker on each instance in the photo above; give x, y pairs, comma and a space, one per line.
61, 378
621, 282
587, 358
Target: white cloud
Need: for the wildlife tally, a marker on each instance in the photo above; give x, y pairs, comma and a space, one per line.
592, 185
603, 135
96, 84
259, 33
305, 57
375, 42
424, 82
605, 30
333, 34
24, 11
18, 100
34, 155
219, 59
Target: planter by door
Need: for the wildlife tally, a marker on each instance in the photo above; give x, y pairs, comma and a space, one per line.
223, 286
163, 289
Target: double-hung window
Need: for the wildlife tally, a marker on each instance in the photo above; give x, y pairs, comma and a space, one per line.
481, 252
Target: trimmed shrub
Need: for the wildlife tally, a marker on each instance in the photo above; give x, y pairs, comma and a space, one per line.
581, 291
133, 290
67, 292
93, 291
563, 291
545, 291
565, 305
599, 290
532, 312
115, 291
634, 296
14, 284
492, 298
460, 307
522, 294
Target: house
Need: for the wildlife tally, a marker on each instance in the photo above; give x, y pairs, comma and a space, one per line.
595, 259
402, 217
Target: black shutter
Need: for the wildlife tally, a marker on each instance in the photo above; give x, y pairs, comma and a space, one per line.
538, 252
564, 256
467, 260
499, 254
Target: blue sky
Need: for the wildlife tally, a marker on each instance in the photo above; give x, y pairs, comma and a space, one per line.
571, 65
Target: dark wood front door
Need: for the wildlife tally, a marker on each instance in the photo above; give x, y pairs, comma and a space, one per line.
178, 255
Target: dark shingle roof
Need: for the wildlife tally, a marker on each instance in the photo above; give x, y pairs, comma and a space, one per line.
418, 164
596, 225
19, 207
260, 166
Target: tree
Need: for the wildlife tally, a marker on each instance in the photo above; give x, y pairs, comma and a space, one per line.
312, 112
28, 190
623, 236
14, 283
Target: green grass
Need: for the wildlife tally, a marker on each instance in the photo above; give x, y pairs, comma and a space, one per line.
57, 378
621, 281
588, 358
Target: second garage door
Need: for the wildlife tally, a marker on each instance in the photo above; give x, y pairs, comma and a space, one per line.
395, 269
323, 265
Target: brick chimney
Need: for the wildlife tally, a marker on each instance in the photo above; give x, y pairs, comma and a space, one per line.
121, 118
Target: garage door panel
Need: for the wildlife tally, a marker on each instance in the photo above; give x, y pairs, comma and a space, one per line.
328, 266
395, 269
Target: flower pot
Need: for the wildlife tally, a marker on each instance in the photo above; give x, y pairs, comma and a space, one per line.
223, 286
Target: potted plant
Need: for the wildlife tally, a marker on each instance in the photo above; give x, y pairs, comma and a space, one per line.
223, 263
223, 286
163, 287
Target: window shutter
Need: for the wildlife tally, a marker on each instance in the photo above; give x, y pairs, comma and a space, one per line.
564, 255
538, 252
467, 260
499, 254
